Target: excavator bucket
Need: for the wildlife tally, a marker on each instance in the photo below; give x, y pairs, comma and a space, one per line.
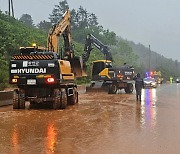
96, 86
77, 68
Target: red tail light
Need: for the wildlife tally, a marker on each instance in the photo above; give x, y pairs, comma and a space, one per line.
50, 80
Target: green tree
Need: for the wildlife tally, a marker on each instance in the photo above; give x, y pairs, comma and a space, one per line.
74, 19
14, 34
58, 11
82, 18
92, 20
44, 25
3, 72
123, 53
27, 20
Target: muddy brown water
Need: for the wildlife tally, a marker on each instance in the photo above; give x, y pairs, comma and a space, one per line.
99, 124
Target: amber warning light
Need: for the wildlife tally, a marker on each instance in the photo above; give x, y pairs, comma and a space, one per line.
14, 80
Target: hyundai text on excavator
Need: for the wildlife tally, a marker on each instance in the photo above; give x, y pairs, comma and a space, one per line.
103, 73
46, 75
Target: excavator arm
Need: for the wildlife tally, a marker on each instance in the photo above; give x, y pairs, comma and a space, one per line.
62, 28
92, 40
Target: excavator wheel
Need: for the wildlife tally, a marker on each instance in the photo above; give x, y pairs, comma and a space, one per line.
74, 98
63, 99
77, 97
22, 103
112, 89
21, 99
18, 100
56, 99
15, 100
129, 88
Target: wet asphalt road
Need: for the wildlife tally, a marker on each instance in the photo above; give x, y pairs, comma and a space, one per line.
99, 124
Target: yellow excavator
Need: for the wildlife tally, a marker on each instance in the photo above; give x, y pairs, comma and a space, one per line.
63, 28
47, 75
104, 75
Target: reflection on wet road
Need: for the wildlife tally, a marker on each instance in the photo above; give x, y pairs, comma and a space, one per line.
51, 138
100, 123
148, 107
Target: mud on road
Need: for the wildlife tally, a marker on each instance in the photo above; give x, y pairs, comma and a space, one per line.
100, 123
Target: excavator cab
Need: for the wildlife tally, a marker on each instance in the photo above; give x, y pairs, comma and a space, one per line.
100, 69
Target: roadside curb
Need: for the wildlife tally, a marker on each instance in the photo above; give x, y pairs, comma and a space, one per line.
6, 98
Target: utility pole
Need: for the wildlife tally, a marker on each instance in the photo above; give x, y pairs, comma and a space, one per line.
149, 58
156, 61
11, 8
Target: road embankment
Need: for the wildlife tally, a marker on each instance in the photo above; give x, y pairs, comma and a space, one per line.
6, 98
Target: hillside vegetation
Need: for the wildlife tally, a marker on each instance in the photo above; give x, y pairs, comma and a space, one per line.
155, 61
15, 33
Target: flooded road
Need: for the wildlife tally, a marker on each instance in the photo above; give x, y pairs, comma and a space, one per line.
99, 124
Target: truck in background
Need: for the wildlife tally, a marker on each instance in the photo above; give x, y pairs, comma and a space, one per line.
156, 75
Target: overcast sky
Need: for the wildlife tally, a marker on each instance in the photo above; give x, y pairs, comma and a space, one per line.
154, 22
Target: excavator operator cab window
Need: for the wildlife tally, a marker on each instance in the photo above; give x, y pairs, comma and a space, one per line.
97, 68
26, 51
29, 50
108, 65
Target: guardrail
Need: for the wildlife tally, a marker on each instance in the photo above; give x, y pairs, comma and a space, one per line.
6, 98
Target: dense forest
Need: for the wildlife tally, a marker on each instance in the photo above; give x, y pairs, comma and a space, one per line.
14, 34
154, 61
22, 32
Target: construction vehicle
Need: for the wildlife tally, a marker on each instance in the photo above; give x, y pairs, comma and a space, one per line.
156, 75
103, 73
47, 75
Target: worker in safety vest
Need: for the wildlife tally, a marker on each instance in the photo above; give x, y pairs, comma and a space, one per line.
171, 79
